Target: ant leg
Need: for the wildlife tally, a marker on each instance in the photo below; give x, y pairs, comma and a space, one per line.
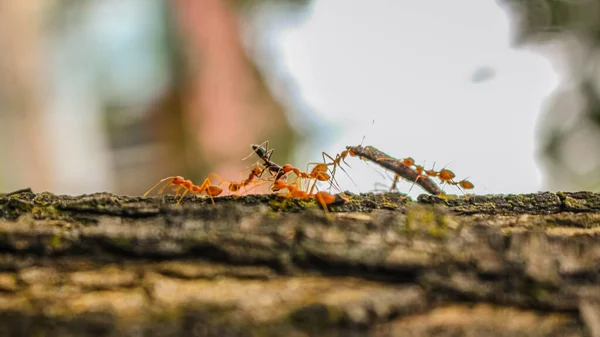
220, 179
395, 183
265, 145
419, 169
462, 191
238, 185
161, 181
167, 185
319, 172
442, 194
414, 182
176, 190
205, 187
182, 195
336, 163
462, 186
333, 162
289, 195
269, 154
262, 168
259, 183
312, 187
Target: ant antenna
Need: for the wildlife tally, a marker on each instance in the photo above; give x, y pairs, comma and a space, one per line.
365, 136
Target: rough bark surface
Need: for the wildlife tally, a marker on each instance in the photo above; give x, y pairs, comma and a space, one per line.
380, 265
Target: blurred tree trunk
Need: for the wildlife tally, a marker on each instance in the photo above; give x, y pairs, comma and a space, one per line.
27, 156
227, 105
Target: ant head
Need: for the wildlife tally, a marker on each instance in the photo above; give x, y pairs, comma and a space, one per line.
350, 150
287, 168
177, 180
256, 171
408, 161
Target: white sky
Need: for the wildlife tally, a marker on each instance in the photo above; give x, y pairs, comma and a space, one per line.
408, 65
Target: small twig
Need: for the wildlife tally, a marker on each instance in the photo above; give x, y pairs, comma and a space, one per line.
396, 165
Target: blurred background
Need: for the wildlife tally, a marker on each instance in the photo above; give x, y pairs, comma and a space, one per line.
113, 95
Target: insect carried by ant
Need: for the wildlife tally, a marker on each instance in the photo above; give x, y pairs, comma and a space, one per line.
398, 166
444, 175
265, 154
280, 175
407, 169
318, 172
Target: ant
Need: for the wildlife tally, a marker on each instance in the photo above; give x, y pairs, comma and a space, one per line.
447, 177
444, 175
322, 197
235, 187
206, 187
408, 161
319, 172
336, 162
264, 154
420, 170
400, 167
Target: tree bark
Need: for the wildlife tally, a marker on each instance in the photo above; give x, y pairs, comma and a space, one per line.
382, 265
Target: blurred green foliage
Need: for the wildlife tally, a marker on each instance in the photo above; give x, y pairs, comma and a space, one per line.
569, 128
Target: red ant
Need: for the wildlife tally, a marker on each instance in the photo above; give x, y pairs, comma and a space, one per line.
336, 162
206, 187
322, 197
400, 167
263, 153
420, 170
234, 187
319, 172
447, 177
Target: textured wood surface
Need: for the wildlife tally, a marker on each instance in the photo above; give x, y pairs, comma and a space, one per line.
380, 265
